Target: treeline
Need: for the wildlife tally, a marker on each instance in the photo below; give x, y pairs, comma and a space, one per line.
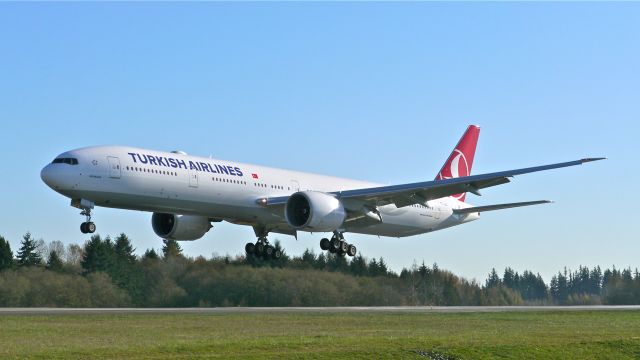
107, 273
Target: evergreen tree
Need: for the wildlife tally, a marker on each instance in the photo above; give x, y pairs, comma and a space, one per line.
6, 255
508, 279
124, 269
493, 280
558, 288
124, 250
423, 270
321, 261
150, 254
373, 269
171, 248
308, 258
382, 267
595, 280
337, 262
358, 266
55, 263
282, 261
98, 255
27, 254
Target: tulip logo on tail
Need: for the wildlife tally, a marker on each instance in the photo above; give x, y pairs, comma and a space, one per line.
461, 159
457, 167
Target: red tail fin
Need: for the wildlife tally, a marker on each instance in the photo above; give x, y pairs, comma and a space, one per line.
461, 159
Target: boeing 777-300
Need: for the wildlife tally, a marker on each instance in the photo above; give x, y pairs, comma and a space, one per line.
187, 193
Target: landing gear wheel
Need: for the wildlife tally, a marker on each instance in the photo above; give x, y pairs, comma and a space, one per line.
277, 254
268, 251
351, 250
250, 248
324, 244
343, 247
88, 227
259, 248
334, 245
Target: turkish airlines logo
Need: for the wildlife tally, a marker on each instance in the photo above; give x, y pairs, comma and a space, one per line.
457, 167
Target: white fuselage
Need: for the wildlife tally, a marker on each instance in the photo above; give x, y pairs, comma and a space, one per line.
154, 181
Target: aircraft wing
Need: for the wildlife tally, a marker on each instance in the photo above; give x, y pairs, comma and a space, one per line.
421, 192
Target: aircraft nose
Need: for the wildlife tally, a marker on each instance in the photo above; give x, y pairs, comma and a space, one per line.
46, 176
53, 177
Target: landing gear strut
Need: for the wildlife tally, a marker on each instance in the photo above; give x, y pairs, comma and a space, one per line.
337, 245
263, 249
87, 227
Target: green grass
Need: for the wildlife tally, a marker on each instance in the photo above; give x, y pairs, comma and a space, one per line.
509, 335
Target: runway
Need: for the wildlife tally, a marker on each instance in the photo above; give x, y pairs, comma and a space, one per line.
258, 310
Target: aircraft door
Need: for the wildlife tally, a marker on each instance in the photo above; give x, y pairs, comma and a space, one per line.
114, 167
193, 178
295, 185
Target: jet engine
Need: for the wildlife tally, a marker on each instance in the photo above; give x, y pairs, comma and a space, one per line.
314, 211
180, 227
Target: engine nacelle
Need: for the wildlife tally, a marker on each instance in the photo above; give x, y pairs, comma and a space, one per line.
180, 227
314, 211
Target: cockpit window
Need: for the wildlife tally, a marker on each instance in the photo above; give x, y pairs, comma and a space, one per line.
70, 161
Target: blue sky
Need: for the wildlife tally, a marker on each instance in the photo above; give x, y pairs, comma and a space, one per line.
374, 91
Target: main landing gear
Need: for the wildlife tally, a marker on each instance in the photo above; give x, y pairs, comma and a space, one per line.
263, 249
337, 245
87, 227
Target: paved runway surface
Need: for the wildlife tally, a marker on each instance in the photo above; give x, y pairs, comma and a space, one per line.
249, 310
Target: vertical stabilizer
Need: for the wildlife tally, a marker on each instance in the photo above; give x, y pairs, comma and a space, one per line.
461, 159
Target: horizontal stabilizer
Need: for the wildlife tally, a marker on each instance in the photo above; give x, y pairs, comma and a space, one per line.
498, 207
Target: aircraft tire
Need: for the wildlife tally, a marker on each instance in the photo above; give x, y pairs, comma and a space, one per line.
324, 244
277, 254
351, 250
343, 247
250, 248
83, 227
268, 251
91, 227
334, 245
259, 248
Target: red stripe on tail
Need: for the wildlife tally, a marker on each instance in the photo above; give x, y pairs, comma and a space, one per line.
461, 159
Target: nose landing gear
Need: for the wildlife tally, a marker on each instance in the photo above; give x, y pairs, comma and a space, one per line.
87, 227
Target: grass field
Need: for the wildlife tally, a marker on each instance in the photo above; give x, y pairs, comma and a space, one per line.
508, 335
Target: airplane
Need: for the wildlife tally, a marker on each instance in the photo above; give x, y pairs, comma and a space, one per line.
185, 194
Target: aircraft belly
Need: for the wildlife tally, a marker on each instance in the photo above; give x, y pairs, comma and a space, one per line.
187, 206
400, 223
